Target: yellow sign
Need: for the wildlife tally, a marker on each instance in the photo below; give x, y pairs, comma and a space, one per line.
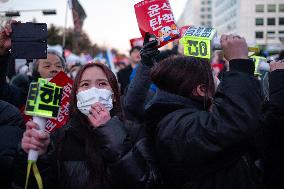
197, 42
197, 48
257, 60
44, 99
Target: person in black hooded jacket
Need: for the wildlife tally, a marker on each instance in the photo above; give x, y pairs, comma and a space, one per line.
203, 143
139, 90
96, 149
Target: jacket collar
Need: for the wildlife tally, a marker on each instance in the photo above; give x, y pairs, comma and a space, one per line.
164, 103
163, 97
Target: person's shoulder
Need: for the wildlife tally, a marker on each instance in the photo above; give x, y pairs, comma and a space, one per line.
7, 107
4, 105
10, 114
21, 79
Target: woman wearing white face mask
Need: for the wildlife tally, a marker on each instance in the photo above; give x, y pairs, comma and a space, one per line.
94, 150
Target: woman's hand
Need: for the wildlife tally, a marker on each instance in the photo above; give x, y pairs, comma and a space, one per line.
99, 115
35, 139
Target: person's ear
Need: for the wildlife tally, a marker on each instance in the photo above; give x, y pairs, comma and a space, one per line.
201, 90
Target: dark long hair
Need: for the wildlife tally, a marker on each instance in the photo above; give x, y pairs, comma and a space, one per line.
181, 75
98, 171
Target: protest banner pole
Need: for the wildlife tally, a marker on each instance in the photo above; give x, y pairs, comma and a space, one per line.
33, 154
65, 24
79, 16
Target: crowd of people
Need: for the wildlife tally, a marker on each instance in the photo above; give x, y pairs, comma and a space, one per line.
166, 121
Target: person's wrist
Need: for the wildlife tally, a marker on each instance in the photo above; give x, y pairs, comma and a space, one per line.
146, 58
242, 65
147, 61
238, 57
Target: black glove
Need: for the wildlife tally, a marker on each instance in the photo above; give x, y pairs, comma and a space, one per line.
149, 51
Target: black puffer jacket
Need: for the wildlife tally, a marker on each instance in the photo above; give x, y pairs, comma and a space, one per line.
11, 124
198, 149
118, 153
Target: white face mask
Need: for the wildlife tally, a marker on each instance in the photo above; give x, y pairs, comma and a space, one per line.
90, 96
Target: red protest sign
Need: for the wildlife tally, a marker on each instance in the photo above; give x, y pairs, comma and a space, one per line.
156, 17
136, 42
61, 79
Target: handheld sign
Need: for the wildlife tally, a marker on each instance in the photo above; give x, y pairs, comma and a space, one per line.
43, 102
197, 41
43, 99
200, 42
156, 17
62, 80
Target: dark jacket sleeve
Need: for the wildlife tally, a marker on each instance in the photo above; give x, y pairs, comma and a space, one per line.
11, 124
237, 104
134, 100
199, 138
131, 163
9, 93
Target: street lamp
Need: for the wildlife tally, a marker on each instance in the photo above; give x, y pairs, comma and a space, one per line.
48, 12
12, 13
17, 12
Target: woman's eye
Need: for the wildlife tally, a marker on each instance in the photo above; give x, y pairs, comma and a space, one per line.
102, 84
46, 66
84, 85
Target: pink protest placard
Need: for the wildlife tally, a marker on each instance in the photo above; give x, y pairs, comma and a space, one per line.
156, 17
